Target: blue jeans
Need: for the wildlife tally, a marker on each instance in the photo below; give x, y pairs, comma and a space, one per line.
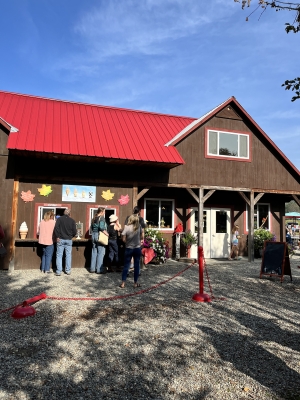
136, 254
47, 256
98, 253
63, 244
113, 251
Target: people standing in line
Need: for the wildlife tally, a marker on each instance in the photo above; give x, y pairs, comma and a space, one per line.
45, 234
133, 237
234, 254
136, 211
98, 250
65, 230
113, 230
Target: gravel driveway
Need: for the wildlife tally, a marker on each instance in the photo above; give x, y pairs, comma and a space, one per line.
155, 345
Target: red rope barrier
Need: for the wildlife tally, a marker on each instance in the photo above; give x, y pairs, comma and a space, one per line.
105, 298
209, 285
124, 295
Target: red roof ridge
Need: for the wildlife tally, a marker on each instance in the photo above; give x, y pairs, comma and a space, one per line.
96, 105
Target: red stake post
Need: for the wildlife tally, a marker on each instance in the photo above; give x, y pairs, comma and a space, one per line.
201, 297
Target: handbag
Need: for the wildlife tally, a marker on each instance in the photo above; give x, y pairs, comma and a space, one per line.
3, 251
103, 239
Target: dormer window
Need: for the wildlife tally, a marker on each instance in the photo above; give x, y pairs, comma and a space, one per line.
230, 145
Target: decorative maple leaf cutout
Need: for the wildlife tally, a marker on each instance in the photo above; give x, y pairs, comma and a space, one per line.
107, 195
123, 199
27, 196
45, 190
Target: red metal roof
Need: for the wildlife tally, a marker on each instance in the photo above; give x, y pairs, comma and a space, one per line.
65, 127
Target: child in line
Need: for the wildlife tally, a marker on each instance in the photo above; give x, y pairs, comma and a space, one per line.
234, 244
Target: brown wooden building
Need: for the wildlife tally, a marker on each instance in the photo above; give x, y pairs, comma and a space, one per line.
209, 173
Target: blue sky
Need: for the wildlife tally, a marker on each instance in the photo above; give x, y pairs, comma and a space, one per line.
181, 57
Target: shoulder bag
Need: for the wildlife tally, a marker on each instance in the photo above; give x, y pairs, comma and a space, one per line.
103, 239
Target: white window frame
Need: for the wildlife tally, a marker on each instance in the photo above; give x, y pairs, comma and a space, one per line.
159, 213
238, 157
269, 215
95, 209
51, 206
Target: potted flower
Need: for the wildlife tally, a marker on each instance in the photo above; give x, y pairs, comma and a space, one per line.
260, 235
153, 239
188, 239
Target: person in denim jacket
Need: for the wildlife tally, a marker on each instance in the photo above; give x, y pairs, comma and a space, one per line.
98, 250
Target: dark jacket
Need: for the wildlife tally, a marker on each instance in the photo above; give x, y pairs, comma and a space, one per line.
65, 228
141, 221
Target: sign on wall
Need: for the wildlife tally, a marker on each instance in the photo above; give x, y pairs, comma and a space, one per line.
79, 193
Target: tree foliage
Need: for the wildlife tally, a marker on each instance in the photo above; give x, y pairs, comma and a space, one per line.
292, 206
294, 26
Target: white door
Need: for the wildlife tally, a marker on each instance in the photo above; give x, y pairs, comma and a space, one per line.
216, 232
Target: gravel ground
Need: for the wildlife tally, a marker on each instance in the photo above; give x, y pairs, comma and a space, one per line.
155, 345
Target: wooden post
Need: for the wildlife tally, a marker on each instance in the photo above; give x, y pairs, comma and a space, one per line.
251, 229
134, 195
13, 224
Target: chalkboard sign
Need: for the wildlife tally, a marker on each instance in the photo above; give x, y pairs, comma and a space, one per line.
275, 260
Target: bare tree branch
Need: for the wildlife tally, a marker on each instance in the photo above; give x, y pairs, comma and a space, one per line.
292, 84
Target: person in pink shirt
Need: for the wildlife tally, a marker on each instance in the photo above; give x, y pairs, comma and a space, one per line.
45, 233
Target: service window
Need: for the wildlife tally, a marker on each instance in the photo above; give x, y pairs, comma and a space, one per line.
42, 208
109, 210
159, 213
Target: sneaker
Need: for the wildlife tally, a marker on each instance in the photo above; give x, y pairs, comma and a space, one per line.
48, 272
68, 273
56, 274
238, 258
230, 259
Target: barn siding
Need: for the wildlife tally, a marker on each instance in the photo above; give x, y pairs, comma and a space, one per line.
265, 171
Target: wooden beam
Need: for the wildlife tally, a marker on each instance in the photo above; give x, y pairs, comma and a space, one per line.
207, 196
245, 198
258, 197
276, 191
233, 189
193, 194
251, 230
296, 199
14, 214
134, 195
141, 194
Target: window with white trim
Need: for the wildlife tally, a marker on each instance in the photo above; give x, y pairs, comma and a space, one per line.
108, 212
227, 144
261, 216
58, 211
159, 213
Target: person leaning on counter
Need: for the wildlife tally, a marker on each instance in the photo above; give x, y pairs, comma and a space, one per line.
65, 230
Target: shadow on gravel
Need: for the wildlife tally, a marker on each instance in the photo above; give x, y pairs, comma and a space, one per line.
148, 346
249, 355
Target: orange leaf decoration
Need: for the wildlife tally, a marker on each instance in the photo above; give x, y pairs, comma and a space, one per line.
27, 196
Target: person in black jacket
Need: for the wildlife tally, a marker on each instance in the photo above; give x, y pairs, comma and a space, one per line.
65, 230
113, 230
